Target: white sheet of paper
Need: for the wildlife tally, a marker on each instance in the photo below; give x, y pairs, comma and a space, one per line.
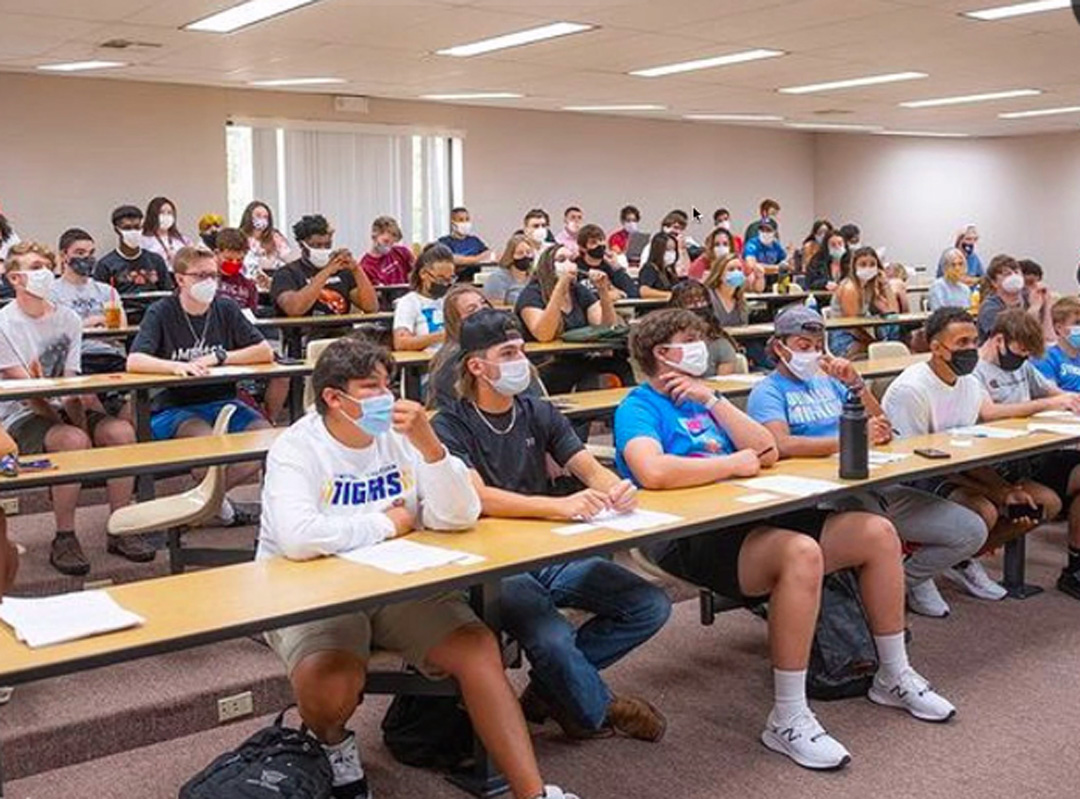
401, 556
756, 499
1056, 415
231, 370
575, 529
30, 382
792, 486
67, 617
985, 431
1060, 429
249, 315
960, 442
878, 458
741, 378
624, 522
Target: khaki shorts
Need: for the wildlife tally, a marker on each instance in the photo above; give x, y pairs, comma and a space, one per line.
411, 629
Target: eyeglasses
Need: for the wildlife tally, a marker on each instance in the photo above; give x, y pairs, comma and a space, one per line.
200, 275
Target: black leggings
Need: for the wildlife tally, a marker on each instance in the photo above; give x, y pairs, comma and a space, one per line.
566, 373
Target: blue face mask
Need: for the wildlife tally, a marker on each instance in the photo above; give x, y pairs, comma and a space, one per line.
377, 413
735, 279
1074, 337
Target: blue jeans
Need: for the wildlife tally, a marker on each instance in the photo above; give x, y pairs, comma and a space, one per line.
566, 663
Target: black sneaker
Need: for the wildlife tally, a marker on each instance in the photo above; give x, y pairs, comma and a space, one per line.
135, 548
1069, 583
354, 790
67, 556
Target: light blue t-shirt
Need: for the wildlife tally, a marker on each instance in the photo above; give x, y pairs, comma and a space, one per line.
944, 294
767, 255
1060, 368
688, 430
809, 408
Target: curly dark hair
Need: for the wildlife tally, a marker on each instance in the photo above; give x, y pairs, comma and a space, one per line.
311, 225
943, 317
659, 328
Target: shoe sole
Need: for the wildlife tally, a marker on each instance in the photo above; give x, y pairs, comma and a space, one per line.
884, 701
79, 572
975, 592
770, 742
1070, 592
648, 738
115, 550
925, 614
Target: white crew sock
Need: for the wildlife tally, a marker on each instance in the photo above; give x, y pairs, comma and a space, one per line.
344, 758
227, 513
892, 654
789, 694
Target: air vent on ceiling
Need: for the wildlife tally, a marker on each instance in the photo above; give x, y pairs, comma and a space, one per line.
124, 44
831, 112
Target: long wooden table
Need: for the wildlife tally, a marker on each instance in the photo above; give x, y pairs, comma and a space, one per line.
765, 329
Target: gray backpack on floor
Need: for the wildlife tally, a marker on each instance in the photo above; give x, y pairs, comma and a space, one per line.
843, 658
275, 763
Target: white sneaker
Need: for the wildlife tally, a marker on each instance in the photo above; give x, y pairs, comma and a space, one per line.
974, 579
349, 777
913, 693
805, 741
555, 792
925, 599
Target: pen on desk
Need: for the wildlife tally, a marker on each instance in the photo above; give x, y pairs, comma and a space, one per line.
765, 452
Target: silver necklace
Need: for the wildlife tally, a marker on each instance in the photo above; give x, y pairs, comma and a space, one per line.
493, 428
199, 342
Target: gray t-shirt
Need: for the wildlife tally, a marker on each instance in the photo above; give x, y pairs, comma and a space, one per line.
720, 353
52, 341
87, 299
502, 288
1007, 388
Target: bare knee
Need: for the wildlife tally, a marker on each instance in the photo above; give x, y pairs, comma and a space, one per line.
466, 650
65, 438
114, 433
1044, 496
193, 428
327, 687
801, 559
882, 538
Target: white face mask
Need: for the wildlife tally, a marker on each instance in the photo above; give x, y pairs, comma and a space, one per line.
539, 234
630, 226
204, 291
132, 238
166, 221
721, 250
1013, 283
39, 283
695, 358
514, 377
260, 223
670, 257
804, 365
573, 227
866, 273
565, 268
319, 258
767, 238
463, 228
726, 225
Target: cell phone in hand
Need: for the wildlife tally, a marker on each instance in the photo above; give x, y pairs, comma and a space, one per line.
1016, 512
932, 454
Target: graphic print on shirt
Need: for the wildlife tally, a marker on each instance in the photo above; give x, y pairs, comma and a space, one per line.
388, 483
702, 429
816, 405
55, 355
334, 302
434, 318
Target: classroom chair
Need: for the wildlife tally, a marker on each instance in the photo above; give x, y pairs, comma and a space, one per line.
709, 603
742, 364
314, 350
887, 349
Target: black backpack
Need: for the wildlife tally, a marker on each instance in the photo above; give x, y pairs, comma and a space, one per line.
275, 763
843, 658
429, 732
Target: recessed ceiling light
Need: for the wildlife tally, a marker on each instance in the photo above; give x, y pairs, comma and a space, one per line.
929, 134
296, 81
1040, 112
870, 80
79, 66
638, 107
832, 126
971, 98
244, 14
708, 63
518, 39
1017, 9
733, 117
473, 96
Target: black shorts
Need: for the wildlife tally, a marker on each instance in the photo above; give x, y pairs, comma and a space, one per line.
1052, 470
711, 560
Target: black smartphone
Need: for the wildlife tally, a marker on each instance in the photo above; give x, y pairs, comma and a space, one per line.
285, 360
1017, 512
932, 454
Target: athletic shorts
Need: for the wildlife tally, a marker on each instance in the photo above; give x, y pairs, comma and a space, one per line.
1051, 470
410, 629
165, 423
29, 432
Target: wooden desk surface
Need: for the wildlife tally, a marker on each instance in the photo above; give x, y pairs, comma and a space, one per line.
534, 348
275, 322
765, 329
202, 607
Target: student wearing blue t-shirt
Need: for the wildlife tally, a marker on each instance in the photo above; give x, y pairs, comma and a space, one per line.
764, 249
469, 250
1061, 363
674, 431
800, 403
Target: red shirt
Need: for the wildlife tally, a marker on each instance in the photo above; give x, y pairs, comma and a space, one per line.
618, 240
390, 269
240, 290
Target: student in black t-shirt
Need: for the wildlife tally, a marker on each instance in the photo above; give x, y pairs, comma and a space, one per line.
594, 256
555, 301
129, 268
504, 438
190, 334
323, 281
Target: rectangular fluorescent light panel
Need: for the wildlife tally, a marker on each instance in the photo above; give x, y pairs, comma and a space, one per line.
639, 107
473, 96
928, 134
1017, 10
707, 63
971, 98
871, 80
1040, 112
831, 126
79, 66
296, 81
733, 117
244, 14
518, 39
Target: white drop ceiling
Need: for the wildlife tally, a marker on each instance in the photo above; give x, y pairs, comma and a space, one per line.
386, 49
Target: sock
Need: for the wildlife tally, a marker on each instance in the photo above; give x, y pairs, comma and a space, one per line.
344, 758
226, 514
65, 533
1074, 560
789, 694
892, 654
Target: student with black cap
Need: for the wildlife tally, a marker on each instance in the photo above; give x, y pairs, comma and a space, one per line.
129, 268
504, 438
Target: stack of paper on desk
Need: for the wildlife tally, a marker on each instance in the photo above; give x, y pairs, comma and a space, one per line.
402, 556
67, 617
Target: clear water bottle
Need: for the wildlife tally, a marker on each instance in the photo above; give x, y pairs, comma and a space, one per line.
854, 439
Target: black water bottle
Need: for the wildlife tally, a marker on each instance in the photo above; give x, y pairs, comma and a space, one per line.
854, 441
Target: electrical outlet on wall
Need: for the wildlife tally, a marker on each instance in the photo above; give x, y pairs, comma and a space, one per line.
10, 505
235, 707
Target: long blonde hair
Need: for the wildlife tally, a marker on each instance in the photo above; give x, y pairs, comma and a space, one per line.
715, 279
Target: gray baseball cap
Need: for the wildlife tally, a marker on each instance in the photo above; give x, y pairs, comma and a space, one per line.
797, 319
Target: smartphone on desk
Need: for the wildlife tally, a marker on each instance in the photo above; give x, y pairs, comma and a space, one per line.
932, 454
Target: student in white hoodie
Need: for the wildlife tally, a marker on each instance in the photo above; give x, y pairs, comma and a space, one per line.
362, 469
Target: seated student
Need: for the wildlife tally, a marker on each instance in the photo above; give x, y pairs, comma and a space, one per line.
942, 394
469, 250
1061, 363
160, 234
629, 223
537, 227
727, 280
950, 290
1018, 389
387, 262
323, 281
966, 240
675, 224
816, 241
800, 404
676, 432
268, 249
129, 268
362, 469
722, 218
658, 276
768, 211
1003, 288
9, 555
723, 349
41, 340
594, 256
88, 298
573, 219
719, 244
1033, 275
897, 276
826, 269
555, 301
418, 316
503, 438
190, 333
209, 225
231, 247
503, 286
852, 236
864, 291
764, 249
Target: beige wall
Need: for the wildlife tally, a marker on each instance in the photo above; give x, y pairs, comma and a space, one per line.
73, 148
913, 194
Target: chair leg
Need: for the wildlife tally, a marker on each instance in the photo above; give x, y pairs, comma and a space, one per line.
707, 606
176, 550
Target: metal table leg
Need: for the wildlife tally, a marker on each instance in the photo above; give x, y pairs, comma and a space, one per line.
410, 383
1015, 563
144, 483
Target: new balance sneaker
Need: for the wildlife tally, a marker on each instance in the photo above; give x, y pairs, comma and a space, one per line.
555, 792
349, 779
913, 693
925, 599
1069, 583
972, 577
805, 741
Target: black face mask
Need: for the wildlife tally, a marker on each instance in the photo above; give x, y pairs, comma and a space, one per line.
523, 264
209, 239
438, 289
596, 253
963, 362
1009, 360
705, 313
83, 267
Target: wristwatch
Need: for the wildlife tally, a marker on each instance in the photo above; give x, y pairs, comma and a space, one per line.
714, 400
221, 354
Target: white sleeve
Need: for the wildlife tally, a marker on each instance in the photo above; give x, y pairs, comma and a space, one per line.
907, 410
298, 527
74, 356
406, 312
448, 498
